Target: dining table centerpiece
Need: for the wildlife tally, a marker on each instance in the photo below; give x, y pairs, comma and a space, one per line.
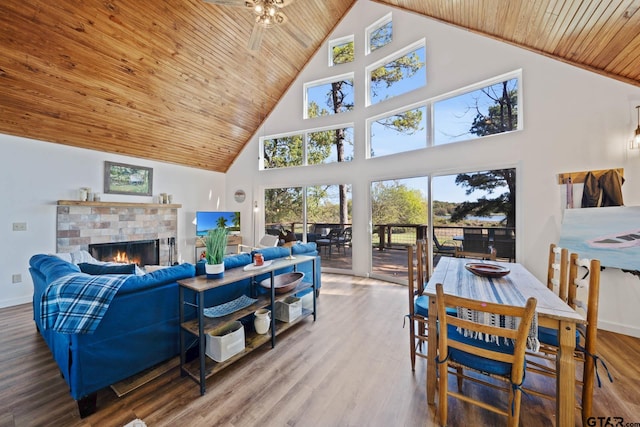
215, 245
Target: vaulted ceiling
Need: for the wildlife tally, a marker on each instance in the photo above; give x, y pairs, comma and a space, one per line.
173, 80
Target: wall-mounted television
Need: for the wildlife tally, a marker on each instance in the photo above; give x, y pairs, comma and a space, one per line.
208, 220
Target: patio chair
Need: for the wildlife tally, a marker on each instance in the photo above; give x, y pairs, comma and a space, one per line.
443, 248
267, 241
460, 253
344, 239
504, 243
504, 361
474, 240
329, 240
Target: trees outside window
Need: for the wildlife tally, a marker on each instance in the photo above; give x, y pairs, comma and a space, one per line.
398, 132
329, 97
283, 152
379, 34
401, 74
341, 51
486, 111
324, 147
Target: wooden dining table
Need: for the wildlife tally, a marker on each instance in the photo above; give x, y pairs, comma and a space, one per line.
551, 310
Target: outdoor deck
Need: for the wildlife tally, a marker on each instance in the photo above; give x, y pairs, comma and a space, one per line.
389, 262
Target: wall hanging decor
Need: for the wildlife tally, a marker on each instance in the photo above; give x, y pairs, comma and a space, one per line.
120, 178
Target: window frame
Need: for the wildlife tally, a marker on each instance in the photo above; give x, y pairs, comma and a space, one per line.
516, 74
420, 43
320, 82
305, 138
370, 120
338, 42
381, 22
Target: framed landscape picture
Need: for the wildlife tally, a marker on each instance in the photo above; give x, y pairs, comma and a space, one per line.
120, 178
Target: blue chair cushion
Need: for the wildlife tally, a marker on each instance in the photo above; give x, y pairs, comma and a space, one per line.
476, 362
550, 336
421, 307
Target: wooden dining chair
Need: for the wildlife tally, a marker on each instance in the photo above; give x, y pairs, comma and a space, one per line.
583, 296
558, 271
418, 276
503, 359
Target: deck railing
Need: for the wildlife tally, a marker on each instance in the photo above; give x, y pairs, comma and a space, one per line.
399, 236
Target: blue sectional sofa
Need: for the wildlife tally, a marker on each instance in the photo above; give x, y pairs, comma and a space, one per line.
140, 328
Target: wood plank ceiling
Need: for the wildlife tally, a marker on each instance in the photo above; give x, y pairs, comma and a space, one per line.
173, 80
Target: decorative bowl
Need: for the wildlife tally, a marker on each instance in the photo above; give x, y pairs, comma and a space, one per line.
283, 283
487, 270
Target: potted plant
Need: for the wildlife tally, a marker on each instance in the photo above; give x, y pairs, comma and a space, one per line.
215, 246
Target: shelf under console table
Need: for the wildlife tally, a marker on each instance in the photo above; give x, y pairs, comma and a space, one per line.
203, 367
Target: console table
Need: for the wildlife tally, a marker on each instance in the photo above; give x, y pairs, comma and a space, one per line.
203, 367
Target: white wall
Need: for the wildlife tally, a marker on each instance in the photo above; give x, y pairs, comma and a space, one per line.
574, 120
35, 174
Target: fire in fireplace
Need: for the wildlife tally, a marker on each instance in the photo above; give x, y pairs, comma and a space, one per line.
140, 252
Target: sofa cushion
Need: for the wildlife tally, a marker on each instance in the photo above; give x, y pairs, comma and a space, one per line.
304, 248
158, 278
52, 267
272, 253
97, 269
237, 260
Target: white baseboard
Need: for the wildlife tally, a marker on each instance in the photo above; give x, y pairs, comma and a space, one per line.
619, 328
14, 301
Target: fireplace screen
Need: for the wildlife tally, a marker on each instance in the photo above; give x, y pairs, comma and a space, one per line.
140, 252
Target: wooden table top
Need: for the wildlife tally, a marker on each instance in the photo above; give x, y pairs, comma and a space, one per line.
450, 271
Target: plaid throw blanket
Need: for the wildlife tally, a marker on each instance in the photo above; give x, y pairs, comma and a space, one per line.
500, 290
76, 303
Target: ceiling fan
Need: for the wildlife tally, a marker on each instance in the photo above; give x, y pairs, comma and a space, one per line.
268, 13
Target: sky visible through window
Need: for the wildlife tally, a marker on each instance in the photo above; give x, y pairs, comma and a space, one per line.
320, 95
444, 188
386, 141
379, 91
453, 117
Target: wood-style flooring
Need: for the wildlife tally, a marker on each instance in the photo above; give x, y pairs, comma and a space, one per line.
349, 368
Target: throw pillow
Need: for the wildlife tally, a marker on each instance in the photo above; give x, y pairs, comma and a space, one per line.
97, 269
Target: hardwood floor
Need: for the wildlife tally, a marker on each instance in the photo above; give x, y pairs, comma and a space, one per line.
349, 368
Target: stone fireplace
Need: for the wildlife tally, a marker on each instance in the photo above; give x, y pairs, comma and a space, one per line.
80, 224
140, 252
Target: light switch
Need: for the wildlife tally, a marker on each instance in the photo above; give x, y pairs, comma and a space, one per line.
19, 226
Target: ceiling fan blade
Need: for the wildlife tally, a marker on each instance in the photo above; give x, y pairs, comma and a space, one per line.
298, 35
227, 2
256, 37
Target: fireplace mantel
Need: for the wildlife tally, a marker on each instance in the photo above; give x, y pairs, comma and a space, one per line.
117, 204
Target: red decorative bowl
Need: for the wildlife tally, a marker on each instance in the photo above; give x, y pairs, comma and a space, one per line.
283, 283
487, 270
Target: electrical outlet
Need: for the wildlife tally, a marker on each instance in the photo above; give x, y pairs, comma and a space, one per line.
19, 226
16, 278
